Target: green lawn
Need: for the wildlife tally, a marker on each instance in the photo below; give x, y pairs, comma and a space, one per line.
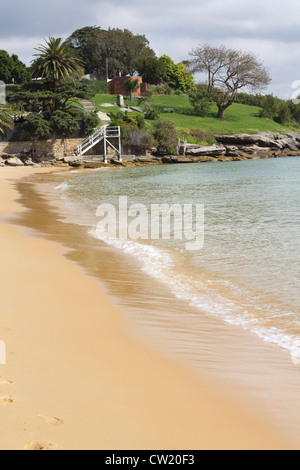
98, 100
238, 118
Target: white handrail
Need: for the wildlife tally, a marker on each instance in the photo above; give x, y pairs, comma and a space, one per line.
103, 132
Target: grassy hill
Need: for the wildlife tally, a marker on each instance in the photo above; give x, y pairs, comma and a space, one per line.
239, 118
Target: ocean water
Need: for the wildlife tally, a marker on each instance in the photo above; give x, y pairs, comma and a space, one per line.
248, 270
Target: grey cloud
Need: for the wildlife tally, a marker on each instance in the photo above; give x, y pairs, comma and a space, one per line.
172, 26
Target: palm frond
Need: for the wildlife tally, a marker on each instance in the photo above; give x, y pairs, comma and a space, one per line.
56, 61
6, 119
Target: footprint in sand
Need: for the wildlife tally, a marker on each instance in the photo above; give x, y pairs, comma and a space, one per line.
42, 445
5, 382
6, 400
52, 420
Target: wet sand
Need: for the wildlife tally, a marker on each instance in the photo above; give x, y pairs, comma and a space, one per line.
76, 376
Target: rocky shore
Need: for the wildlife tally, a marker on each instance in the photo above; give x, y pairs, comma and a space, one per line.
235, 147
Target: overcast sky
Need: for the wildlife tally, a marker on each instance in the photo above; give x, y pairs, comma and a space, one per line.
269, 28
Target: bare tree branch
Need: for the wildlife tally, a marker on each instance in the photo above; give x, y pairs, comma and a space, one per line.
228, 71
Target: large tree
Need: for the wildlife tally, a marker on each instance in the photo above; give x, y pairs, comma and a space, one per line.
47, 97
156, 70
87, 43
56, 61
113, 51
151, 69
228, 71
12, 69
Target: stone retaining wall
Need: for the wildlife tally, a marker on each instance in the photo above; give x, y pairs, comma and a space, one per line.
58, 148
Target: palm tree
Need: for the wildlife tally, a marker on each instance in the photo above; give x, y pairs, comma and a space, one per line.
131, 86
6, 119
56, 61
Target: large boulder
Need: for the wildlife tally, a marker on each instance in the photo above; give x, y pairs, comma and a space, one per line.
212, 151
29, 162
73, 161
267, 140
262, 140
14, 161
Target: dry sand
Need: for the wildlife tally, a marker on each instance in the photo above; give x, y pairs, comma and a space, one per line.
74, 379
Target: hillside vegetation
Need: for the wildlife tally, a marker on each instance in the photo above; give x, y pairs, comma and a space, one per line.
239, 118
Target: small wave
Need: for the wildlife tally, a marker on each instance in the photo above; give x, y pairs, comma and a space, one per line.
62, 186
204, 295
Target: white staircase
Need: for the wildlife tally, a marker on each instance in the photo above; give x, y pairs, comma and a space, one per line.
105, 133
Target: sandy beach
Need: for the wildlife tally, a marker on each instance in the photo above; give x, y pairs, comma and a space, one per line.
74, 378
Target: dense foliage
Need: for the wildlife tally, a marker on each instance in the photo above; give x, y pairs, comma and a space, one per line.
11, 68
62, 124
6, 121
91, 121
156, 71
35, 126
46, 97
109, 52
56, 61
201, 99
165, 134
279, 110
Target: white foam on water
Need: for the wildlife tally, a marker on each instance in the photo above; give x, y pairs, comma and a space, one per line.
62, 186
203, 295
244, 253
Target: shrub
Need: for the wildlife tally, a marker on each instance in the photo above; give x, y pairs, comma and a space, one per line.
164, 133
91, 121
151, 111
163, 89
197, 136
201, 100
142, 139
128, 121
35, 126
62, 124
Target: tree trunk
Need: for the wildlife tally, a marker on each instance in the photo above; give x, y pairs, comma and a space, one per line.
222, 108
221, 114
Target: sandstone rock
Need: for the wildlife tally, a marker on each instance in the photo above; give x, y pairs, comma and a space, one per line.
233, 151
212, 150
266, 139
116, 162
70, 159
289, 143
181, 159
48, 157
15, 161
29, 162
145, 159
92, 165
5, 156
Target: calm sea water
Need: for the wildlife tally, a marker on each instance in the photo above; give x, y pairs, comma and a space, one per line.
248, 271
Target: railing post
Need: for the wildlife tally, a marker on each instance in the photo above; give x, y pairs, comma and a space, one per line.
105, 149
120, 145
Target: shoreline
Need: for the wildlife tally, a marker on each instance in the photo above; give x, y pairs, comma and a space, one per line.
228, 148
80, 380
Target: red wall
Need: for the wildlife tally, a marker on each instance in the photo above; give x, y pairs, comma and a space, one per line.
116, 86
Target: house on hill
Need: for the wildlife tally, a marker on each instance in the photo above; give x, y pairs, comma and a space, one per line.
116, 86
